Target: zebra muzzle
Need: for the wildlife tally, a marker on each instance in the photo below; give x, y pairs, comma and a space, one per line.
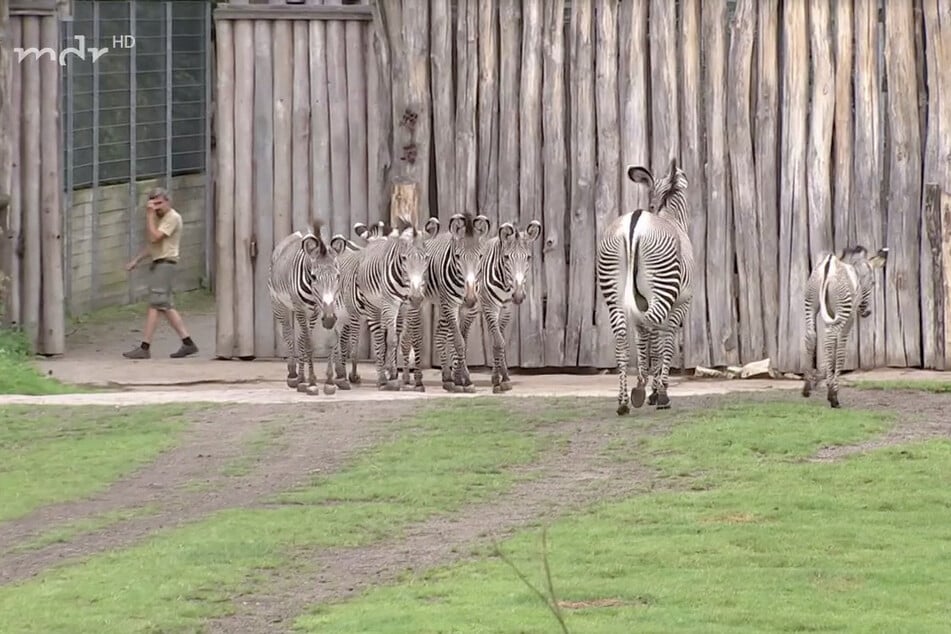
328, 321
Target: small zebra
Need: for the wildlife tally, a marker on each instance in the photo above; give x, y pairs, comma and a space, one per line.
503, 281
835, 286
644, 269
387, 273
303, 284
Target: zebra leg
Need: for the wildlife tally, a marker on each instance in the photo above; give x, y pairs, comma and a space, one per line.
330, 386
459, 370
832, 382
351, 349
467, 318
342, 353
287, 332
664, 352
639, 391
809, 361
621, 352
504, 320
442, 346
492, 319
305, 347
412, 343
378, 338
396, 345
654, 371
829, 340
391, 329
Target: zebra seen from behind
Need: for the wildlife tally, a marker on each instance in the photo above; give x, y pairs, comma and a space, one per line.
303, 285
644, 268
838, 286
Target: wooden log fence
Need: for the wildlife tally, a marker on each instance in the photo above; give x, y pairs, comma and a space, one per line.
531, 109
31, 246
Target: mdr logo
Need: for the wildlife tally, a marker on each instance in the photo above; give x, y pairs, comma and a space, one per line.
118, 42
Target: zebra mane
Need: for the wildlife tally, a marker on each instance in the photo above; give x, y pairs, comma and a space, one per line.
315, 228
855, 250
469, 218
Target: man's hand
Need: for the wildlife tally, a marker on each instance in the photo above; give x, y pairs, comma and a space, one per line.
132, 264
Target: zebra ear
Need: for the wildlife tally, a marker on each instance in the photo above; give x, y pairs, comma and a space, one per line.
640, 175
431, 227
457, 225
878, 260
533, 230
338, 244
482, 225
506, 231
311, 245
360, 230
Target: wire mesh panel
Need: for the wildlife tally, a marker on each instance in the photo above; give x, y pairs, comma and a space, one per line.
135, 116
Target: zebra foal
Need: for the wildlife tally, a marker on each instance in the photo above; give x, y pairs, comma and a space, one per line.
837, 286
303, 283
644, 268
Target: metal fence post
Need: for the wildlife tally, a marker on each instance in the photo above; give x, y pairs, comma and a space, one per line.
133, 190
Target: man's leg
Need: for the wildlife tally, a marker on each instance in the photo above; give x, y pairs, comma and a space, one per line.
188, 346
142, 351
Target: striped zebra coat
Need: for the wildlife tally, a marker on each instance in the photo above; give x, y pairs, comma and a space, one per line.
838, 291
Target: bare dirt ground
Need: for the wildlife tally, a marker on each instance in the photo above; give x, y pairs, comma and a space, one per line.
193, 480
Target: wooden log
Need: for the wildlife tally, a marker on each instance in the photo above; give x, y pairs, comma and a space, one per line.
340, 221
580, 337
721, 295
405, 202
867, 168
419, 98
740, 139
665, 126
902, 287
510, 61
225, 192
487, 170
354, 36
555, 162
767, 167
244, 190
53, 336
281, 207
608, 179
530, 332
300, 129
635, 105
933, 240
938, 32
12, 218
696, 338
378, 147
263, 165
793, 236
843, 229
946, 237
822, 110
467, 16
7, 123
30, 158
320, 168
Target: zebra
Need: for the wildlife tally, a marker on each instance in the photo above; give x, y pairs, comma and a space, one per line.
452, 283
644, 268
387, 273
835, 285
303, 283
504, 275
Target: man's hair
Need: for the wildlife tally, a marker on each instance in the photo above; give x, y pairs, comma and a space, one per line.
159, 192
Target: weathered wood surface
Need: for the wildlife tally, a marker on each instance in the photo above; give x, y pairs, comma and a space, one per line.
902, 303
515, 126
931, 213
225, 301
262, 160
794, 208
30, 187
740, 138
12, 217
243, 189
282, 209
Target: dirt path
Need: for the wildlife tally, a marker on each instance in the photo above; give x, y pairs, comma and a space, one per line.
568, 479
318, 438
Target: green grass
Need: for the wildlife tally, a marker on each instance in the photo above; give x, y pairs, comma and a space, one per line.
755, 539
449, 455
935, 386
18, 373
65, 532
50, 455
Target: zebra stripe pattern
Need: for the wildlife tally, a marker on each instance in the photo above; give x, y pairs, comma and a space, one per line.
837, 286
303, 284
644, 268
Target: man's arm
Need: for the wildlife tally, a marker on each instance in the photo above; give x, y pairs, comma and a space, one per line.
158, 231
141, 255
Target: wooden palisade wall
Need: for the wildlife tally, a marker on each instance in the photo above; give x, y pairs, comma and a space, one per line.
802, 126
31, 247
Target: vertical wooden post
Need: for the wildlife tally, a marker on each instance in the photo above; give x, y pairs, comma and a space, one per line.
282, 104
6, 157
225, 194
30, 180
404, 202
52, 338
934, 240
243, 190
946, 272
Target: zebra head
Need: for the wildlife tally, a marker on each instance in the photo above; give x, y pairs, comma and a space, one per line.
516, 256
412, 257
864, 267
468, 235
320, 266
667, 193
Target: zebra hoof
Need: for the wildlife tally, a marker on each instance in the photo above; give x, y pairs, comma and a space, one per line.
652, 399
834, 400
292, 382
662, 401
449, 386
419, 388
496, 389
354, 378
330, 389
506, 386
806, 390
342, 384
623, 410
391, 386
638, 394
313, 390
301, 387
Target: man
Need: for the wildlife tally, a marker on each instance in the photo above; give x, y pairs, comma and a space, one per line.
164, 231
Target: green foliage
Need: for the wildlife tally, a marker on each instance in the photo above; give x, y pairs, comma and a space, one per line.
935, 386
18, 374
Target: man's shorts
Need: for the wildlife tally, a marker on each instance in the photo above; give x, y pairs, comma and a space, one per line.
161, 276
